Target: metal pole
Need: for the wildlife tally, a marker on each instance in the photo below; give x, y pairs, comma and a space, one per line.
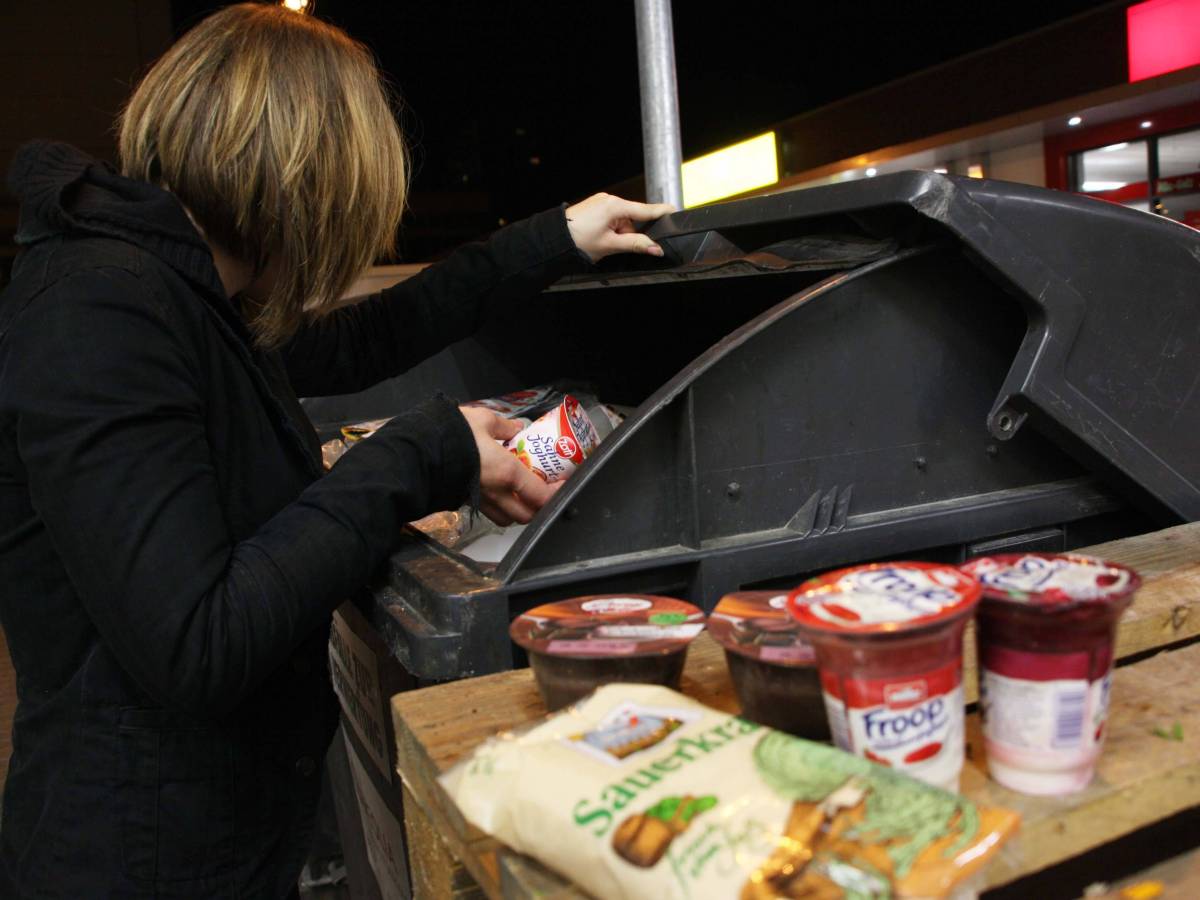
660, 102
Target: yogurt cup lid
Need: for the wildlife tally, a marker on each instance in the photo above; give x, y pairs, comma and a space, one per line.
608, 625
756, 624
883, 598
1052, 579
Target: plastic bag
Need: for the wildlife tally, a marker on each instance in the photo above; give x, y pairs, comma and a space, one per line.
639, 791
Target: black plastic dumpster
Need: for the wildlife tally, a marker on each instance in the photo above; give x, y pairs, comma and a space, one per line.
914, 365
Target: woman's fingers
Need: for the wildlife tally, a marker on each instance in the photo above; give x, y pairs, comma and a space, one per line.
633, 243
641, 212
508, 490
510, 475
510, 487
493, 512
597, 222
502, 429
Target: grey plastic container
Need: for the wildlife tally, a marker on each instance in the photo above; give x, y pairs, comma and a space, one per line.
914, 365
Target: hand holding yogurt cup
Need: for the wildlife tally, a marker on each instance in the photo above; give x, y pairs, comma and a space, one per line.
553, 446
509, 492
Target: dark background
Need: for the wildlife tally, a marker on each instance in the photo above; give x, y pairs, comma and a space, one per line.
511, 107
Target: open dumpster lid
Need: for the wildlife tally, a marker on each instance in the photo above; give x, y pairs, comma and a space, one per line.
864, 370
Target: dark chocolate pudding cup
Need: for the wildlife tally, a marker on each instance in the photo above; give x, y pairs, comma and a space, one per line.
577, 645
773, 668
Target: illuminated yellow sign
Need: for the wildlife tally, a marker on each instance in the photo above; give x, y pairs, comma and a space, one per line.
733, 170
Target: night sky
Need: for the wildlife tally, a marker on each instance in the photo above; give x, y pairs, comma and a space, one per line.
532, 103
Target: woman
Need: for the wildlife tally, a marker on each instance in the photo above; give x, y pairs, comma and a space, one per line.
169, 552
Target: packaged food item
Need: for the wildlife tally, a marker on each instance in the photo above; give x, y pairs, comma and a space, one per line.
352, 434
889, 640
526, 404
576, 645
604, 417
640, 792
557, 443
773, 667
1045, 629
331, 452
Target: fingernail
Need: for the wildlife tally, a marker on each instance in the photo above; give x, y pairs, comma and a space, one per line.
655, 250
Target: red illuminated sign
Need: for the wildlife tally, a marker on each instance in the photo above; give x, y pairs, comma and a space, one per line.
1164, 35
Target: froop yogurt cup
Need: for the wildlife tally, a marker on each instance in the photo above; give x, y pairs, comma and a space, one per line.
1045, 630
889, 640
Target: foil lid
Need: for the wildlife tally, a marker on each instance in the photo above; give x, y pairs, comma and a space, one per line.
884, 597
608, 625
1047, 579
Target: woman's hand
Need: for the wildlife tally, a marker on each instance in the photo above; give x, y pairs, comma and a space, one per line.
603, 224
508, 491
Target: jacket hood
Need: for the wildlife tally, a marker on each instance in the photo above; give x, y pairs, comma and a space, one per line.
63, 191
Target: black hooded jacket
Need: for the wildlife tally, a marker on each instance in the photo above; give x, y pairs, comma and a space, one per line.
170, 553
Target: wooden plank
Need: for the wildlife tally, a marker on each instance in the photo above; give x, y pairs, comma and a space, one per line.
382, 830
360, 879
1178, 878
1155, 553
1142, 777
435, 871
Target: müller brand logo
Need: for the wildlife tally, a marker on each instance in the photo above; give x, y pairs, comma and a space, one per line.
900, 696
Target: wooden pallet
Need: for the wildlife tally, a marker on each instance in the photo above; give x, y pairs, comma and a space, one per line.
1142, 777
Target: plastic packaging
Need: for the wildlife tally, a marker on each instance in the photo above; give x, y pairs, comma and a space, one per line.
640, 792
773, 668
577, 645
889, 640
556, 444
1045, 629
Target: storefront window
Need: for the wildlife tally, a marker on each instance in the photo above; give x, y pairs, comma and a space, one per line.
1160, 174
1119, 171
1178, 183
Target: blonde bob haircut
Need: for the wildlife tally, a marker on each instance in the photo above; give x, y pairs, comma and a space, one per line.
275, 130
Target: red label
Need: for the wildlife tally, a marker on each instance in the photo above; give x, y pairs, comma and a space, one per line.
566, 447
1036, 666
902, 692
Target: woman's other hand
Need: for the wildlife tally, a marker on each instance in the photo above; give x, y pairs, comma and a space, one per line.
603, 224
508, 491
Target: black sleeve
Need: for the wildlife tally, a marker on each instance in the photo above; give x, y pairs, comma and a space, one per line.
385, 334
110, 419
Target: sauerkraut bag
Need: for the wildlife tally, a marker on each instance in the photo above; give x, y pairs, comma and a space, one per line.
638, 792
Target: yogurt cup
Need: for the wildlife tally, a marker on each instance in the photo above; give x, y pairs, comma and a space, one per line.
773, 668
556, 444
518, 404
889, 642
1045, 631
576, 645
